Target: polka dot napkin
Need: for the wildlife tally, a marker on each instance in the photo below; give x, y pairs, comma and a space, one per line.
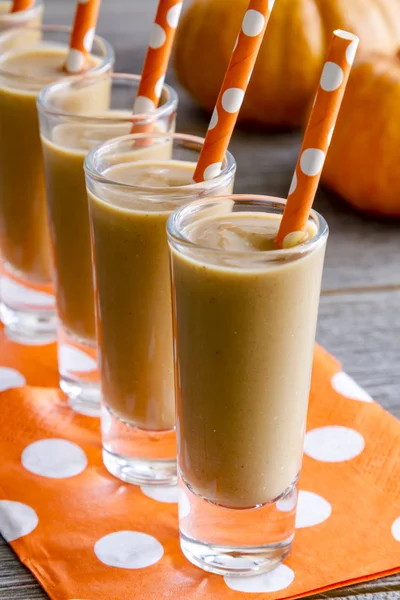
85, 535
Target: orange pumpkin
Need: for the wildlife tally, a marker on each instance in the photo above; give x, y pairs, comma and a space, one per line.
292, 54
362, 164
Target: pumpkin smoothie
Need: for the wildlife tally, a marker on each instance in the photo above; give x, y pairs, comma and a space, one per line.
245, 316
105, 112
24, 233
134, 296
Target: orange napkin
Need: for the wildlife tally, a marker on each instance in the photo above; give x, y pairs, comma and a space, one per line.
86, 535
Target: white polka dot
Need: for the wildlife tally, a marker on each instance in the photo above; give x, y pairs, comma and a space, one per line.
88, 39
351, 52
143, 105
157, 36
332, 77
333, 443
312, 161
183, 505
232, 100
173, 15
274, 581
293, 239
346, 386
288, 502
72, 360
159, 86
161, 127
10, 378
16, 520
75, 61
212, 171
312, 509
54, 458
330, 135
271, 4
396, 530
293, 185
214, 120
168, 494
19, 294
128, 550
253, 23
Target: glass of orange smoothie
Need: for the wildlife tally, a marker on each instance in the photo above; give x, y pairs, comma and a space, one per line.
75, 115
245, 315
134, 184
27, 300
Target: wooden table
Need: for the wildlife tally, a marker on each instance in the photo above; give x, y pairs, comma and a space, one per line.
359, 318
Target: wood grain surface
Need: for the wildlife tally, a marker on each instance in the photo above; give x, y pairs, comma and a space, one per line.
360, 307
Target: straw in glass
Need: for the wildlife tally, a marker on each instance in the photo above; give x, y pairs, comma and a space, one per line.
233, 89
157, 57
82, 35
317, 137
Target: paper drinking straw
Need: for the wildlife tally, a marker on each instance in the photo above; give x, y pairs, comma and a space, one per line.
18, 5
82, 35
317, 137
157, 57
233, 89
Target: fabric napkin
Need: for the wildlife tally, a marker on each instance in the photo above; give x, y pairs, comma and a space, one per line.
85, 535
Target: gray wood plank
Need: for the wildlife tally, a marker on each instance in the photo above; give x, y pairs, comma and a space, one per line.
17, 583
363, 331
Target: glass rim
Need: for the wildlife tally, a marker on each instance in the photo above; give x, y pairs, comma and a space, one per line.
21, 14
108, 57
45, 106
92, 172
176, 236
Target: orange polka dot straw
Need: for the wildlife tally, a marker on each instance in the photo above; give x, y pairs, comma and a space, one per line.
157, 57
19, 5
318, 135
233, 89
82, 35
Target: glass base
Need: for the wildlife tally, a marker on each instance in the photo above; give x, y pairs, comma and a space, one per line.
83, 398
29, 328
238, 542
27, 310
138, 456
235, 560
140, 471
79, 375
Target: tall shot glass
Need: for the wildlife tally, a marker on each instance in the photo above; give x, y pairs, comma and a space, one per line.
130, 201
245, 317
104, 111
27, 301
